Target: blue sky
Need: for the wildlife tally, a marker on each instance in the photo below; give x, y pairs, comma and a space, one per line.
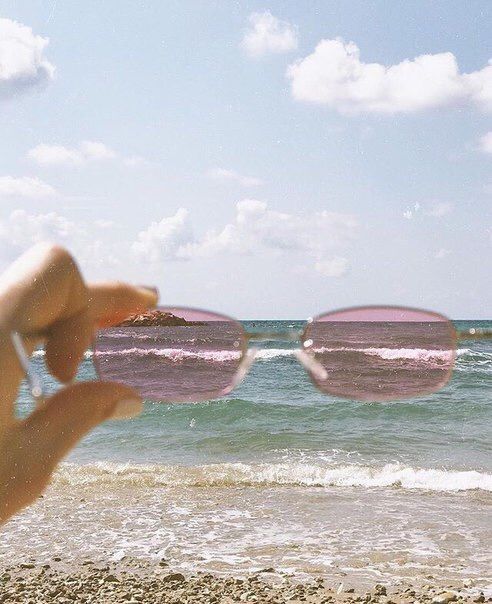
220, 150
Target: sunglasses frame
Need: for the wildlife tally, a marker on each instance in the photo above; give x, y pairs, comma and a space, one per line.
454, 333
315, 370
248, 353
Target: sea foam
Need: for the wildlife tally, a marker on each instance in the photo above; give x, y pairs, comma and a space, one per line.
275, 474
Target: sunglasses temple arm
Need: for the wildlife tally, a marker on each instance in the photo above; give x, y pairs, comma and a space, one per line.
475, 334
33, 379
311, 365
248, 360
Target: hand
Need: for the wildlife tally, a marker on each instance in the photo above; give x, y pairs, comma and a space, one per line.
44, 298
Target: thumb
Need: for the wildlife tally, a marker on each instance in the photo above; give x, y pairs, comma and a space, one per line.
37, 444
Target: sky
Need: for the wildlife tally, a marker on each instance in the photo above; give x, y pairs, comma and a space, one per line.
261, 159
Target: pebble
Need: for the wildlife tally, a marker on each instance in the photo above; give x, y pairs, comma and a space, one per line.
447, 596
117, 583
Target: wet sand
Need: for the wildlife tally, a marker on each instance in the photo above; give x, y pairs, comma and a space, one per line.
138, 583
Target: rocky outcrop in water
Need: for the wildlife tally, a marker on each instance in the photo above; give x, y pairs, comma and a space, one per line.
156, 318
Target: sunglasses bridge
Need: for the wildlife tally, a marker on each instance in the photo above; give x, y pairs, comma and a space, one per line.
291, 335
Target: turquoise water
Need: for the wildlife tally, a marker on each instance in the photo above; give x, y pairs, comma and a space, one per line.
278, 414
256, 478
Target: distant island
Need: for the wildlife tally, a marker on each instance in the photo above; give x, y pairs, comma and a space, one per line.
156, 318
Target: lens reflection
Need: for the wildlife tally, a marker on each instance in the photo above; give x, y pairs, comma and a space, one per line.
381, 353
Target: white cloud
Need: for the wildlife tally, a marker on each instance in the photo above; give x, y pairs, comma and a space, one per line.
96, 151
57, 155
256, 225
267, 34
221, 174
257, 228
485, 143
25, 187
334, 267
334, 75
22, 61
165, 240
20, 230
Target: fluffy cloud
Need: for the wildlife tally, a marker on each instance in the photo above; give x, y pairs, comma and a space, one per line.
256, 227
312, 239
333, 75
22, 61
267, 34
485, 143
165, 240
24, 187
57, 155
221, 174
20, 230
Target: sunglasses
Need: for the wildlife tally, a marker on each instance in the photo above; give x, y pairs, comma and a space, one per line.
374, 353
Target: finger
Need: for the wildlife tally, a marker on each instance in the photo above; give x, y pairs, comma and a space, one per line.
108, 303
67, 343
52, 431
11, 374
111, 303
40, 288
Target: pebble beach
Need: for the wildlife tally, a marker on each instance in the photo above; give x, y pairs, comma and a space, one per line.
29, 583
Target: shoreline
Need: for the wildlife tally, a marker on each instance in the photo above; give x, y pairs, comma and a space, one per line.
142, 583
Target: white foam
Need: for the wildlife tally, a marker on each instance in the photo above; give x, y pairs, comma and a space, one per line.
273, 353
42, 353
174, 354
419, 354
291, 474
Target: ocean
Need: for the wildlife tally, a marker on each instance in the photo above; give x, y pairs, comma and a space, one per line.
278, 474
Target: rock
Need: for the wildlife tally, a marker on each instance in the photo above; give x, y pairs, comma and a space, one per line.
111, 579
179, 577
444, 598
26, 565
380, 589
156, 318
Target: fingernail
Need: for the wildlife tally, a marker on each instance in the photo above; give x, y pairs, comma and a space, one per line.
127, 408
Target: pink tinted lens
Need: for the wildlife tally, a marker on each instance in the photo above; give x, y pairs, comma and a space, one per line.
172, 354
381, 353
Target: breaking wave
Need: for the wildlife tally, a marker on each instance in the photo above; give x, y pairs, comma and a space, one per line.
417, 354
274, 474
465, 357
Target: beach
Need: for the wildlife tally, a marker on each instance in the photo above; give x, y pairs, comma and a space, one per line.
273, 493
112, 583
